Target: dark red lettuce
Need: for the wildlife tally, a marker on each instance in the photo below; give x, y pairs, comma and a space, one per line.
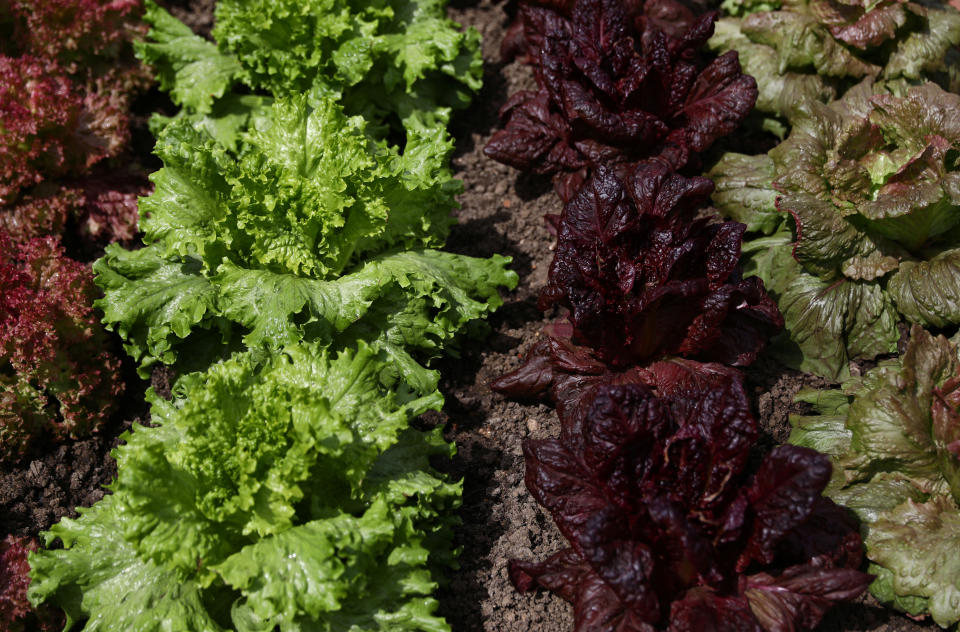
58, 375
648, 486
16, 614
645, 273
614, 88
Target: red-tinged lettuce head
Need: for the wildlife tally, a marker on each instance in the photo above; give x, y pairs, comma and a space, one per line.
616, 90
665, 529
50, 127
95, 210
58, 378
644, 277
88, 40
814, 50
16, 614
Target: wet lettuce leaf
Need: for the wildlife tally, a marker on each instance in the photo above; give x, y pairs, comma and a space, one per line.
402, 64
315, 231
284, 491
894, 439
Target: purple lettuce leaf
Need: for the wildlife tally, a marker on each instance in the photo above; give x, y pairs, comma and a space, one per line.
643, 277
647, 483
615, 88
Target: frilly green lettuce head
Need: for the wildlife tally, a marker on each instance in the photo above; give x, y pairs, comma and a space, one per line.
802, 50
867, 189
285, 492
310, 194
894, 438
391, 61
314, 232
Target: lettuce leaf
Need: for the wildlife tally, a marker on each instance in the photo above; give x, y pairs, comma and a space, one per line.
814, 50
284, 491
614, 90
666, 531
397, 61
868, 191
304, 236
59, 373
894, 439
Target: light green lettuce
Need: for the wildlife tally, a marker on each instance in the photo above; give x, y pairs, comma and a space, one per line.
894, 439
814, 50
391, 61
861, 205
314, 232
283, 491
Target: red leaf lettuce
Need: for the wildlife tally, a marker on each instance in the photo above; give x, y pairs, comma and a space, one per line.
666, 532
58, 378
616, 90
642, 278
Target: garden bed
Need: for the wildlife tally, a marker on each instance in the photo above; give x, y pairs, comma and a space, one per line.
502, 213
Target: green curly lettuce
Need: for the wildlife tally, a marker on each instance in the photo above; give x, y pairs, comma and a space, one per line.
286, 493
862, 207
894, 439
391, 61
814, 50
316, 232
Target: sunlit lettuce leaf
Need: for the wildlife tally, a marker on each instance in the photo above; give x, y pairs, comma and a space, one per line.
397, 61
188, 66
303, 236
287, 490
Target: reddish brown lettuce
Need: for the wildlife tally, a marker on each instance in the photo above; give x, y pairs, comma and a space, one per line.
644, 277
58, 378
67, 81
666, 531
16, 614
614, 88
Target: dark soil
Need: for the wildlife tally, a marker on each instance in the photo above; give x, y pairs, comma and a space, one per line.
502, 212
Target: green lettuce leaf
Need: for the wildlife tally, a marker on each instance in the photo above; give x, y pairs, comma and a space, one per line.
400, 61
280, 490
98, 577
745, 192
311, 193
894, 439
800, 51
780, 92
867, 206
186, 65
306, 235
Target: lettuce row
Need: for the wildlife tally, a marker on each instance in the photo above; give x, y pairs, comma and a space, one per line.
894, 439
391, 61
647, 480
286, 490
860, 211
814, 50
289, 277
